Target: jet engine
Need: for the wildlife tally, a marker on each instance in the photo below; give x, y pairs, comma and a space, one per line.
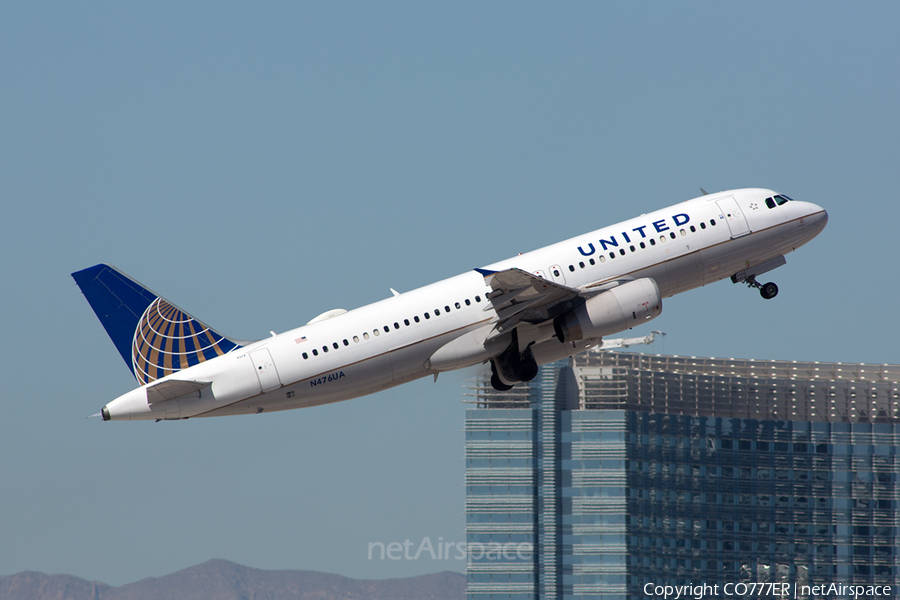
620, 308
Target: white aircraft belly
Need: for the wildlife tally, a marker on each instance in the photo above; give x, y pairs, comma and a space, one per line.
723, 260
685, 272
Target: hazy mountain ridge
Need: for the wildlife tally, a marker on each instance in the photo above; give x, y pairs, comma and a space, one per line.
224, 580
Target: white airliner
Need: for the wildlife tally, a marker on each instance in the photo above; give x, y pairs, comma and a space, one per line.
515, 314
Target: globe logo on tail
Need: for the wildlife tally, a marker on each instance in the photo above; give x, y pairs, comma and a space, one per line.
167, 340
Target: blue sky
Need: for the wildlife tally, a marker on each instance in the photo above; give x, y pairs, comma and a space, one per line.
258, 165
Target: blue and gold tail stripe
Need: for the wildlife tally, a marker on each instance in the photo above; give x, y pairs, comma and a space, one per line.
154, 338
168, 340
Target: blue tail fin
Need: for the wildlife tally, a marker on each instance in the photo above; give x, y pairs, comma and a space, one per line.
154, 337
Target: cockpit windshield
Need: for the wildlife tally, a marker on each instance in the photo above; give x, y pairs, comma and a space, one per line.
777, 200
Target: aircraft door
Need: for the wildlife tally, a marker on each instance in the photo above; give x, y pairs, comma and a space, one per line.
265, 370
734, 216
556, 273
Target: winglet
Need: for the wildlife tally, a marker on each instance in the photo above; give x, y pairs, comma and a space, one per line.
705, 193
486, 272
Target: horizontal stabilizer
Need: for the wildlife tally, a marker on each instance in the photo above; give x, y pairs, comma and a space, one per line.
171, 389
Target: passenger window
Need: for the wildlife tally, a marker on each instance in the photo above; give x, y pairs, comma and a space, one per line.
693, 229
324, 348
355, 339
446, 309
416, 318
703, 225
335, 344
672, 235
622, 251
406, 322
376, 332
602, 258
468, 302
712, 222
366, 334
555, 274
581, 264
477, 298
437, 312
386, 329
346, 343
652, 242
632, 248
457, 306
662, 238
396, 325
572, 268
427, 315
612, 254
315, 352
591, 260
305, 356
683, 232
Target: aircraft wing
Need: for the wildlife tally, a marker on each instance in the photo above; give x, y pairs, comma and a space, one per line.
519, 296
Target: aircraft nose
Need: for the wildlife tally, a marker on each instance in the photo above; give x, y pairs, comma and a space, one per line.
818, 216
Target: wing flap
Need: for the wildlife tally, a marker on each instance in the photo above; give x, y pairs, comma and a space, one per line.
502, 300
512, 310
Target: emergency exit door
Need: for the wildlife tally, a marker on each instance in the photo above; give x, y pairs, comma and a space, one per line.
734, 216
265, 370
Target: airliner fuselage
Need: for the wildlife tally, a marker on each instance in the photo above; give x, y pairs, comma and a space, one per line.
514, 315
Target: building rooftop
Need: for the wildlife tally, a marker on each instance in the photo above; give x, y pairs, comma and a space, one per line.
720, 387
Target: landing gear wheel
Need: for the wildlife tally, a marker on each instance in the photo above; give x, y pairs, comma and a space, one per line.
499, 385
496, 382
527, 368
768, 290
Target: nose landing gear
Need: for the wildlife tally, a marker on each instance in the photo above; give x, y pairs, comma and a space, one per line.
766, 290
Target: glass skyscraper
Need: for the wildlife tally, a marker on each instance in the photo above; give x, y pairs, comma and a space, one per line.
617, 470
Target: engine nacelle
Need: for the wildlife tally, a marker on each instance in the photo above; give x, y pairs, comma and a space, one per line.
620, 308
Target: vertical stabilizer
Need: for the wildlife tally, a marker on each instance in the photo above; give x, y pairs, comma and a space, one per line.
154, 337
